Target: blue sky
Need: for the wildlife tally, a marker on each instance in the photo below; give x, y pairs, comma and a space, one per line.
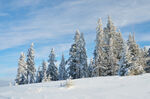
52, 24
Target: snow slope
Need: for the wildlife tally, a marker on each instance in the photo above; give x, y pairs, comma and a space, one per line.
131, 87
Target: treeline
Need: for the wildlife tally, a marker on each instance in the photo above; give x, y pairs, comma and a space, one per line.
112, 56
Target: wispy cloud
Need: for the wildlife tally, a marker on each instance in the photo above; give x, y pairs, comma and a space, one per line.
64, 18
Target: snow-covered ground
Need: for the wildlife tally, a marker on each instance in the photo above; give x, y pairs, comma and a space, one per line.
114, 87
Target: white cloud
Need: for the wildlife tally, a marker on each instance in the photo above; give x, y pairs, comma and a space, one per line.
64, 18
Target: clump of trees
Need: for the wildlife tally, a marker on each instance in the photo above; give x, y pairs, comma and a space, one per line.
112, 56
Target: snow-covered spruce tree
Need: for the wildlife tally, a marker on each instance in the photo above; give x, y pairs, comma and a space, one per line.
44, 69
109, 44
78, 59
125, 61
31, 65
83, 57
117, 44
112, 67
137, 60
74, 60
45, 78
73, 69
22, 71
39, 75
98, 52
143, 58
52, 70
62, 69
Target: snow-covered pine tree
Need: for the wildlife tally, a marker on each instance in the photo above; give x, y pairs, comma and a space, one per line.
83, 57
125, 61
137, 61
62, 69
110, 32
77, 41
73, 69
45, 78
98, 52
118, 45
135, 69
22, 70
52, 70
143, 58
39, 75
44, 69
31, 65
109, 44
74, 60
112, 67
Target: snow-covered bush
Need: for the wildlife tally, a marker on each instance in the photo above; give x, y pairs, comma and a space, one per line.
69, 83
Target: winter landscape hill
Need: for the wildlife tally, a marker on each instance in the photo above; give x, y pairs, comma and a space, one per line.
110, 87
